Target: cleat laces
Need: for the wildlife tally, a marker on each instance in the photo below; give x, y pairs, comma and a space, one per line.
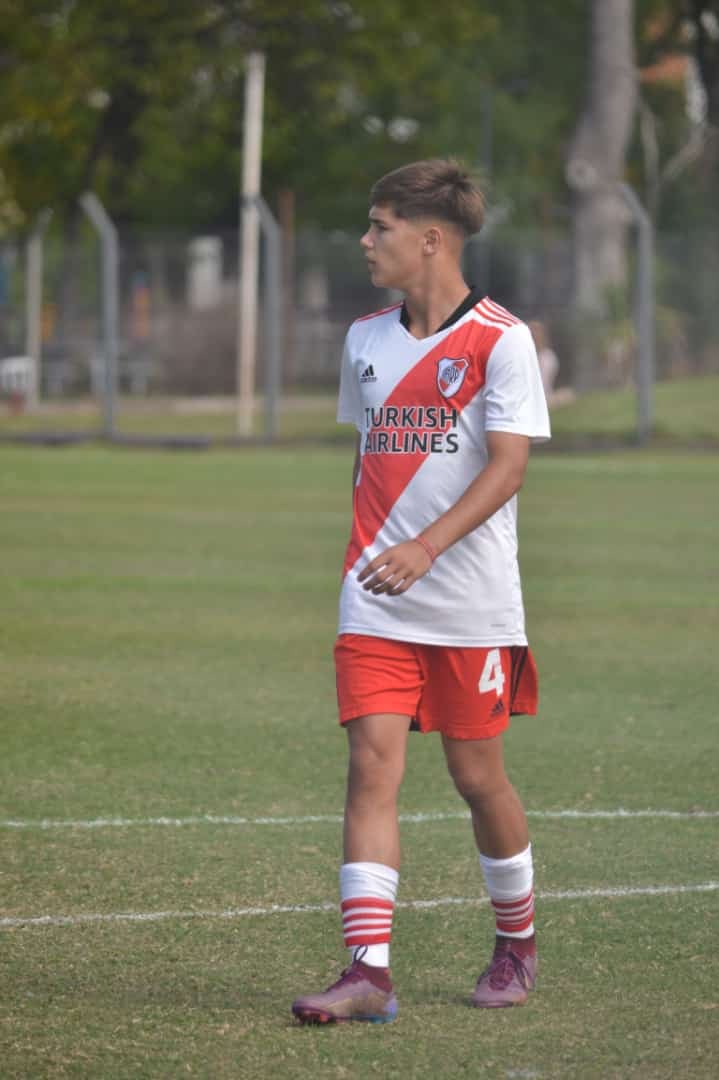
351, 973
503, 968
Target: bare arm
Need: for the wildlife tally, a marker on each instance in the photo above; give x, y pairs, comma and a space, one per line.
395, 570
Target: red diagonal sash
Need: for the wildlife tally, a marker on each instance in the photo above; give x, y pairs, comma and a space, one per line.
385, 476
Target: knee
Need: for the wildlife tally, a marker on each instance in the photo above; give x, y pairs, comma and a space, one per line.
477, 784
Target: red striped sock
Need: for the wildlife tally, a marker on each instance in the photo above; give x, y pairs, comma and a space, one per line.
367, 892
515, 918
510, 886
366, 921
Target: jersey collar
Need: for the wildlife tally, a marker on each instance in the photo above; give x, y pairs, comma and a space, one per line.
473, 297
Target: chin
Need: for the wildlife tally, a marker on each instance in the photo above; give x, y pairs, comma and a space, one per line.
381, 281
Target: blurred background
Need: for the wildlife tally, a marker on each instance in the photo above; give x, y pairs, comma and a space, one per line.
141, 103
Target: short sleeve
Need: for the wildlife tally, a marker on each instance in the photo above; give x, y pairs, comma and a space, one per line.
349, 405
514, 395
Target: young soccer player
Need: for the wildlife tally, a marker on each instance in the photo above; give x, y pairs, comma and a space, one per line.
446, 394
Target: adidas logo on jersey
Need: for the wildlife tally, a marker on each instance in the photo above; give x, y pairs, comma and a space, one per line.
368, 375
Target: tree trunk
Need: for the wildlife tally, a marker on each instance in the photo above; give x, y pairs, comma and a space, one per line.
705, 16
595, 165
72, 219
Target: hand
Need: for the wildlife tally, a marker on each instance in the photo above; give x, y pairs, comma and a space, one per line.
396, 569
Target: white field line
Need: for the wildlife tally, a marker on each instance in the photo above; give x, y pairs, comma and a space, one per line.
335, 819
616, 892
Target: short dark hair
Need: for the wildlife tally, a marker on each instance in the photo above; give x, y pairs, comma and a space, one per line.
436, 188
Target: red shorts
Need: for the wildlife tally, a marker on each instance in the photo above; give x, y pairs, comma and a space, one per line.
466, 693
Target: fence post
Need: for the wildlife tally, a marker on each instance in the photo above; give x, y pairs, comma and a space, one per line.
110, 304
247, 306
273, 315
644, 315
33, 304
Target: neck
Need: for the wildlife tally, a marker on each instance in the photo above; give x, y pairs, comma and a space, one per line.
431, 303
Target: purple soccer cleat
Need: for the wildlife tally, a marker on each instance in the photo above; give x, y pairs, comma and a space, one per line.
509, 977
362, 993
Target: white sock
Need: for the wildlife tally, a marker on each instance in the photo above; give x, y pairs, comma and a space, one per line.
367, 892
510, 886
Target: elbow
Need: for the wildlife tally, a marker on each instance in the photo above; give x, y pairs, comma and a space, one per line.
513, 481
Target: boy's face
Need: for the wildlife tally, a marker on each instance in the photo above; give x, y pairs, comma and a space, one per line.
393, 247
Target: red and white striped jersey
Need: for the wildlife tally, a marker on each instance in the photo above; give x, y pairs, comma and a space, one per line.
422, 408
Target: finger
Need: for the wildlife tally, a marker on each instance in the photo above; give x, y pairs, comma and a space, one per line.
401, 586
372, 582
381, 581
376, 584
370, 568
397, 583
380, 571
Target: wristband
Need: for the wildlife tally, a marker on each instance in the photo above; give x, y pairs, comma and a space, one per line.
427, 547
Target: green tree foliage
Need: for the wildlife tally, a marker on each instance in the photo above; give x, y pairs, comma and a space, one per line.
675, 162
78, 78
142, 100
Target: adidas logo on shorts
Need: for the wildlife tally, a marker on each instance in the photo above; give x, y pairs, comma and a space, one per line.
368, 375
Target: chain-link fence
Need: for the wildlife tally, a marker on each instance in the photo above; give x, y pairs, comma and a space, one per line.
178, 310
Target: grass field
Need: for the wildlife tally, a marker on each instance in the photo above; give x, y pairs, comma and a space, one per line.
686, 414
171, 777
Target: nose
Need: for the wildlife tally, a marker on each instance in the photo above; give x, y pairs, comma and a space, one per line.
365, 241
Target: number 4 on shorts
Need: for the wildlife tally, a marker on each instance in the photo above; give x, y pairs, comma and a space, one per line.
492, 677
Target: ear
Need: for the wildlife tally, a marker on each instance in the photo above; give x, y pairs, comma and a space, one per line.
432, 240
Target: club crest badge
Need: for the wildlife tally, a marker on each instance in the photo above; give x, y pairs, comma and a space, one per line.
450, 375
